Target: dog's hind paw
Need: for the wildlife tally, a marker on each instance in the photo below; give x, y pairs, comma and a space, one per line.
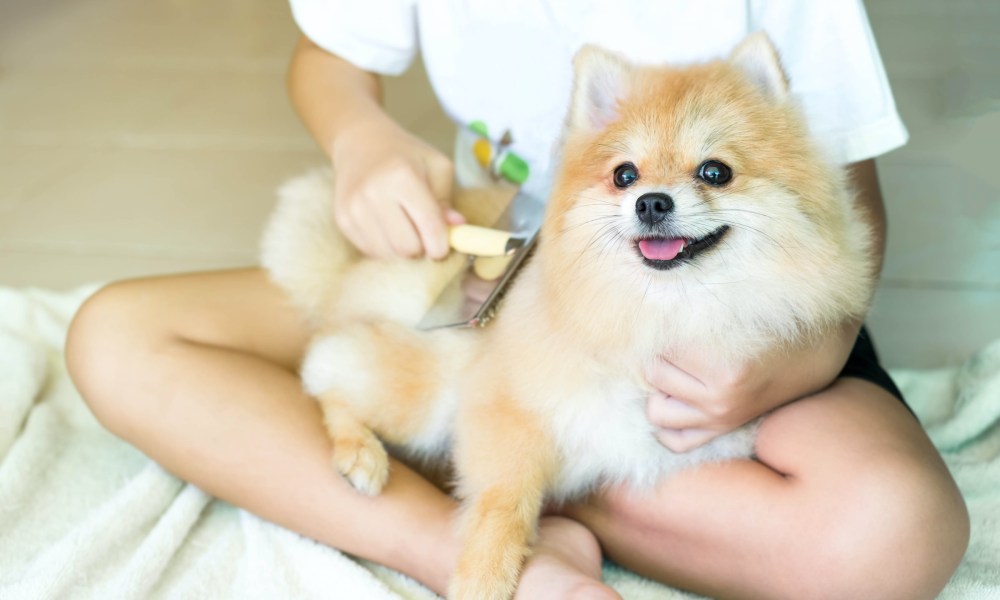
363, 461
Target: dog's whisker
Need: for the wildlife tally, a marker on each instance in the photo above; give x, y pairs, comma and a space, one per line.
570, 228
594, 239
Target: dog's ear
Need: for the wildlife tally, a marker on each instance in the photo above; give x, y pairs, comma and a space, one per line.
758, 59
600, 81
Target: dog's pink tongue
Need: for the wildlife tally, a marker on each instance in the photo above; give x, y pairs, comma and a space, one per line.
661, 248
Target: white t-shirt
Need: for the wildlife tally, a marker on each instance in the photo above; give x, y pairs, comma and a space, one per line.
509, 64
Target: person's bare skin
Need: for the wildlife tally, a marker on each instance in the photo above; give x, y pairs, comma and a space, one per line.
848, 499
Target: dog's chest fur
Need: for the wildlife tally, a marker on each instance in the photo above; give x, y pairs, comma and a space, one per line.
591, 401
602, 436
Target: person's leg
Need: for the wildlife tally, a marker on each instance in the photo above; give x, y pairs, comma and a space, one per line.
198, 372
849, 499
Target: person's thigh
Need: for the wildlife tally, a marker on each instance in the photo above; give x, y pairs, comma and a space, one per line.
239, 310
199, 373
849, 498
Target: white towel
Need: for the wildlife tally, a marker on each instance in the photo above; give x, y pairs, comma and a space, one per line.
85, 515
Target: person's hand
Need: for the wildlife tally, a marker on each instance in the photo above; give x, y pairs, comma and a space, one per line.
391, 192
697, 400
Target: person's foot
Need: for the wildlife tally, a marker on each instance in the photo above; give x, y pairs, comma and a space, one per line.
566, 564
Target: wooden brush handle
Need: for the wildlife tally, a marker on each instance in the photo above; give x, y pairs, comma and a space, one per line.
478, 241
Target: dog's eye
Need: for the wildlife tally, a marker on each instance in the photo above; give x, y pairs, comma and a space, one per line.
714, 172
625, 175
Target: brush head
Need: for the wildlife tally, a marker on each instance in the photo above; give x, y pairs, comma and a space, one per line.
495, 256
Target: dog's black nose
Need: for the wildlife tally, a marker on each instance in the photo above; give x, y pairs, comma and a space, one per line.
653, 207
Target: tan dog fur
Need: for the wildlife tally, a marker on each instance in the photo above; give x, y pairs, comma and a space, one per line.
547, 402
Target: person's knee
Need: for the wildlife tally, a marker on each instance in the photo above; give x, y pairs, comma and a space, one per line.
102, 346
900, 532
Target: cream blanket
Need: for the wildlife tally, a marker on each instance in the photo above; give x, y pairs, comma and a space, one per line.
84, 515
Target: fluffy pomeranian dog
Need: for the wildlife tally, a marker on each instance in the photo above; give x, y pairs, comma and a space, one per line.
691, 214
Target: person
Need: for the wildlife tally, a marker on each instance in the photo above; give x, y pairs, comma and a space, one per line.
847, 497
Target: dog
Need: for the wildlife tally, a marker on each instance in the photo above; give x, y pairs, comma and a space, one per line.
691, 213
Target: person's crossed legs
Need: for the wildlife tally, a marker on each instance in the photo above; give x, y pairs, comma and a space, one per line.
849, 499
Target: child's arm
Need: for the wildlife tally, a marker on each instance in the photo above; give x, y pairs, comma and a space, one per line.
391, 190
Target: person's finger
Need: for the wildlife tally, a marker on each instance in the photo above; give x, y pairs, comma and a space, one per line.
674, 381
669, 412
398, 232
433, 212
370, 230
351, 216
440, 178
684, 440
453, 217
695, 363
345, 223
424, 212
412, 191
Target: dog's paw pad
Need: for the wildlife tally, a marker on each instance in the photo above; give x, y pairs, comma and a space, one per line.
364, 463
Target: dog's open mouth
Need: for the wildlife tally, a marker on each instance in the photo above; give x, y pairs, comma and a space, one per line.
665, 253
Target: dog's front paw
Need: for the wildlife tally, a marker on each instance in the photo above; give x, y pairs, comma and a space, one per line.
363, 461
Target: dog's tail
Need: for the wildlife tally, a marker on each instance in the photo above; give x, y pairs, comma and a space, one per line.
302, 249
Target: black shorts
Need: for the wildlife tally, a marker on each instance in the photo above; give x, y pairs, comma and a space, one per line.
863, 364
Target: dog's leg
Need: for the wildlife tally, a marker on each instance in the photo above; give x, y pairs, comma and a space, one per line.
505, 470
388, 380
357, 454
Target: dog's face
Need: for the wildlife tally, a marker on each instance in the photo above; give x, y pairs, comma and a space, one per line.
692, 167
699, 178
